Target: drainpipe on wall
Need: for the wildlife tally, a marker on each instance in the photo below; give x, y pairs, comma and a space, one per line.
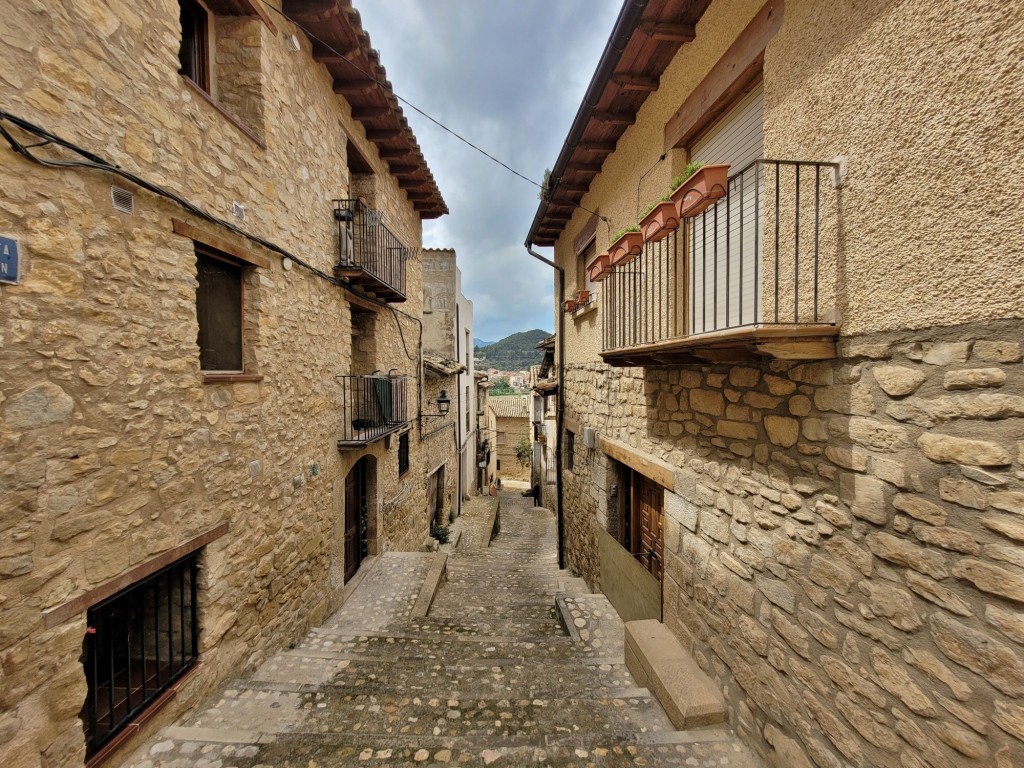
560, 411
458, 411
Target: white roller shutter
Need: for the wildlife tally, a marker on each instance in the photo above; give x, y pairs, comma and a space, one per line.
724, 246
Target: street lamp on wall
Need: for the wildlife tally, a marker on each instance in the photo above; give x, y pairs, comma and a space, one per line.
444, 404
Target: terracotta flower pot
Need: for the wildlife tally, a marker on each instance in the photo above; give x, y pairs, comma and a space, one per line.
662, 219
600, 268
582, 298
701, 190
570, 305
626, 248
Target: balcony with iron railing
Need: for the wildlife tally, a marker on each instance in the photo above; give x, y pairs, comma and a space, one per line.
371, 408
753, 276
370, 256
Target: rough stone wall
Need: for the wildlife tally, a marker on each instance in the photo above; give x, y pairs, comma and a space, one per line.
113, 450
439, 446
842, 542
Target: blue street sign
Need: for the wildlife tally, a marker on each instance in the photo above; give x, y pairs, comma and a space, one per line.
8, 260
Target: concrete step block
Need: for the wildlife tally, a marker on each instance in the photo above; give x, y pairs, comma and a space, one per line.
659, 662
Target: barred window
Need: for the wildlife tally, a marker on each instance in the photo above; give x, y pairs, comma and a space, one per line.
138, 643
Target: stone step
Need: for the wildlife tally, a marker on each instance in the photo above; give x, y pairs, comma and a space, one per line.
339, 710
296, 673
706, 748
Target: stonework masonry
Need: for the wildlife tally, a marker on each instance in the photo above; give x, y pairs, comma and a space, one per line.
113, 447
842, 541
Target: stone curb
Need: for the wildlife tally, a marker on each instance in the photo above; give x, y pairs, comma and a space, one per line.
431, 583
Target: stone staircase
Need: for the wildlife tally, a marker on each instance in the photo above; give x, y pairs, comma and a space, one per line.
515, 664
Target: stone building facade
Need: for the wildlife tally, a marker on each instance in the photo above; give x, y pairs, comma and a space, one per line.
448, 334
215, 140
839, 495
511, 425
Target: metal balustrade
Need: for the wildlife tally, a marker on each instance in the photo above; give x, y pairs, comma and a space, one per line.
370, 256
762, 255
372, 407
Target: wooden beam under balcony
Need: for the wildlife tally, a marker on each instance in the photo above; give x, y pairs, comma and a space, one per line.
636, 82
736, 345
559, 215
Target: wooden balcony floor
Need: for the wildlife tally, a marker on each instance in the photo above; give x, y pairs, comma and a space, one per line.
736, 345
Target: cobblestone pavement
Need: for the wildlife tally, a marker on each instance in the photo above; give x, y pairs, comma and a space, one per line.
492, 676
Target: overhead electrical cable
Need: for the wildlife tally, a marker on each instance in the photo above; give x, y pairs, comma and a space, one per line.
388, 89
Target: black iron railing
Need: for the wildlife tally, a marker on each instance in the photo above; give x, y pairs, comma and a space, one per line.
369, 254
138, 643
372, 407
762, 255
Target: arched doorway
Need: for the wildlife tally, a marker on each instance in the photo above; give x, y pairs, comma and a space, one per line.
356, 516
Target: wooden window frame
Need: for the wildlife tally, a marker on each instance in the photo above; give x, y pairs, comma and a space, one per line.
211, 255
403, 454
739, 69
228, 251
196, 62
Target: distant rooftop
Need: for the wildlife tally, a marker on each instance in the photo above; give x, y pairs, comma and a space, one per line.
510, 406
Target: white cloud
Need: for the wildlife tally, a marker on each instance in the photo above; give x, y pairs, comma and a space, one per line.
508, 75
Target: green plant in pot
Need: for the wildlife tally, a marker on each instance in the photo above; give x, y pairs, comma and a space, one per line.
698, 188
627, 244
659, 219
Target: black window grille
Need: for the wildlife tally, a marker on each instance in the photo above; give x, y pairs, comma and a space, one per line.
570, 449
403, 454
138, 643
219, 312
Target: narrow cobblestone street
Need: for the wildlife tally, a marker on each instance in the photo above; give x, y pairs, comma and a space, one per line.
490, 676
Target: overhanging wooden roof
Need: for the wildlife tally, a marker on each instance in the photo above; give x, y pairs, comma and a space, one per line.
644, 41
342, 45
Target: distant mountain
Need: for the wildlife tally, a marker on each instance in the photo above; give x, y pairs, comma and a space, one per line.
513, 353
481, 343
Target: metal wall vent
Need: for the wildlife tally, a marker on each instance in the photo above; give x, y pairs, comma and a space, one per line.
122, 200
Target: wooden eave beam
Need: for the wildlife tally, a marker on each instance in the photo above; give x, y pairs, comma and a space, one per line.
404, 170
370, 113
636, 82
574, 167
340, 55
558, 215
350, 87
394, 153
384, 134
614, 118
669, 30
597, 146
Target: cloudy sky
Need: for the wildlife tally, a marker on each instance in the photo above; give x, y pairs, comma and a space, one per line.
509, 75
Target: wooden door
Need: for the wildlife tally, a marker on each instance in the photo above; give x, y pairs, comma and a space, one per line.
355, 516
648, 532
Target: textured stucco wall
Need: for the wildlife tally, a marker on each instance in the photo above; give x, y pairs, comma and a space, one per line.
918, 102
114, 451
841, 555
